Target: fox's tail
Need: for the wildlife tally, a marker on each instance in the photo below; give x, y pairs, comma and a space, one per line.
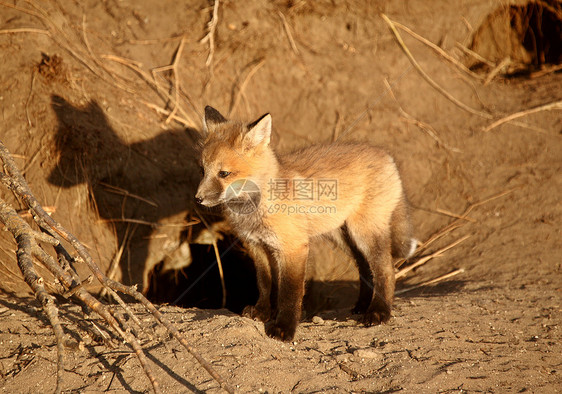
403, 243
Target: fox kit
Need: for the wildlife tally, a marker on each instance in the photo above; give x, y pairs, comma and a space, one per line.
347, 192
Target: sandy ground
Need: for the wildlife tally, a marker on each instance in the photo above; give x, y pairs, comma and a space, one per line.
104, 134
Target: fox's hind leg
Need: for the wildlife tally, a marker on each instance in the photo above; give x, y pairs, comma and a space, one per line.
365, 272
375, 268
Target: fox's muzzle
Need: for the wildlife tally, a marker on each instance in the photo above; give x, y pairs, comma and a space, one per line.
208, 194
201, 199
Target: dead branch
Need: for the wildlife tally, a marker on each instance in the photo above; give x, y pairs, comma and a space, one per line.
28, 240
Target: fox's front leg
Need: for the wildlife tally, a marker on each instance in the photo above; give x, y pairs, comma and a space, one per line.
292, 269
262, 309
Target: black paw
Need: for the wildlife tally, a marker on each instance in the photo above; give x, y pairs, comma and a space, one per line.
378, 313
281, 331
375, 318
360, 308
254, 312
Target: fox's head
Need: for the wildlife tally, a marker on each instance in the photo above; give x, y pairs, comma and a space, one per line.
236, 159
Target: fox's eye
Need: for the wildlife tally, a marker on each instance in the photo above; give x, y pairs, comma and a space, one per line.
224, 174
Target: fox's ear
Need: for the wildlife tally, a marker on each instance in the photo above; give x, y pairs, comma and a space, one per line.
212, 118
259, 132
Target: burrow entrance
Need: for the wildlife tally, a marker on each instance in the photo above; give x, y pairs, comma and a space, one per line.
530, 35
199, 284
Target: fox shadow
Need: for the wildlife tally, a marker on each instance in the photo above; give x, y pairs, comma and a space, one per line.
133, 187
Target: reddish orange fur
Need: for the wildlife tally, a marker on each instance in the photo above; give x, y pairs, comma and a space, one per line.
368, 216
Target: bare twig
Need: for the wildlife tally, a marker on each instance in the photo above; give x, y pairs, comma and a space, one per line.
438, 49
430, 282
475, 55
29, 99
454, 215
460, 221
242, 86
428, 79
221, 272
497, 69
149, 79
25, 30
126, 193
425, 259
288, 32
114, 266
336, 131
217, 255
545, 107
146, 223
422, 125
545, 71
174, 68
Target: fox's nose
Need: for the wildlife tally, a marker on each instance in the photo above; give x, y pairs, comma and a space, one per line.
198, 200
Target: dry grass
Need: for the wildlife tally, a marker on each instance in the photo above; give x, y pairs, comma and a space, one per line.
428, 79
242, 86
461, 220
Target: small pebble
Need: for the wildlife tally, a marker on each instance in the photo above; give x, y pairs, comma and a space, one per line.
317, 320
367, 353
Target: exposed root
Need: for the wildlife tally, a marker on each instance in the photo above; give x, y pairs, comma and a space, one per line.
29, 248
26, 239
210, 37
